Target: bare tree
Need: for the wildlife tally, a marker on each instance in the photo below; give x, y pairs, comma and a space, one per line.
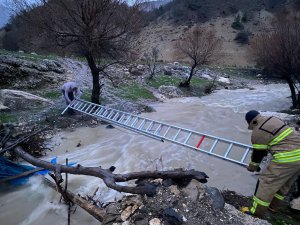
277, 50
99, 30
151, 59
200, 46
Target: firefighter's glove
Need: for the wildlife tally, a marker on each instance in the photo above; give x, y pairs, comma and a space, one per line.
253, 167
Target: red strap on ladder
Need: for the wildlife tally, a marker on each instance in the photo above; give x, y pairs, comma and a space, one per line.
200, 142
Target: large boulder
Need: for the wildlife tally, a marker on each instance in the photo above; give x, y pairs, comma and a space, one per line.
170, 91
19, 100
19, 73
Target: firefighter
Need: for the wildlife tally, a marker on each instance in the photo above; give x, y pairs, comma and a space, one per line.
272, 135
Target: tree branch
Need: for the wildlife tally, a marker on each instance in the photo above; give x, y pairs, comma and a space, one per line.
111, 179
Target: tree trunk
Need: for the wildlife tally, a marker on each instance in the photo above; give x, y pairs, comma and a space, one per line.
95, 98
188, 81
293, 92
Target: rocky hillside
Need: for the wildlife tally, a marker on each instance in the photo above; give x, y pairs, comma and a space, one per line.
173, 20
191, 11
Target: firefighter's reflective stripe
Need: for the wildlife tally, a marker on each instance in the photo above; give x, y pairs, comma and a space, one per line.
281, 136
286, 157
260, 146
256, 202
278, 196
275, 141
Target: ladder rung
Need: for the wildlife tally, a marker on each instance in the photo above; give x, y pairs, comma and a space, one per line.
85, 106
116, 116
80, 106
176, 134
228, 150
128, 119
133, 123
158, 129
92, 109
110, 114
102, 112
213, 146
87, 109
97, 110
142, 124
150, 126
167, 131
245, 155
120, 119
188, 138
73, 105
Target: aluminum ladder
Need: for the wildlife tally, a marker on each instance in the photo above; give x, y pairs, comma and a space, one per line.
223, 148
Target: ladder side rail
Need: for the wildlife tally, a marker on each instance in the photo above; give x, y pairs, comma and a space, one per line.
188, 130
172, 126
158, 137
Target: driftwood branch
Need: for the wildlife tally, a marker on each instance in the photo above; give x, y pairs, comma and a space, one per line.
111, 179
93, 210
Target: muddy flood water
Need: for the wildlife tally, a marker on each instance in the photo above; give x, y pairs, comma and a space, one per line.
220, 114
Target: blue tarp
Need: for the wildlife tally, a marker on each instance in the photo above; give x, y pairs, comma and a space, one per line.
9, 168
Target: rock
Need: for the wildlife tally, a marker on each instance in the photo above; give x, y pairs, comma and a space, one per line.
110, 126
20, 73
172, 216
206, 76
174, 190
3, 108
170, 91
194, 190
155, 221
18, 100
295, 204
218, 201
167, 71
140, 67
128, 212
224, 80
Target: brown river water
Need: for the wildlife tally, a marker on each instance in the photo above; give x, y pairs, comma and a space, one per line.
220, 114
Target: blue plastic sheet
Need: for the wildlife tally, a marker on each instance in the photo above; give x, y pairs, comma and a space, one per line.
9, 168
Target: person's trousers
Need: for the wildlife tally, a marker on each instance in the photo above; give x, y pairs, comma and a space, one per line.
273, 185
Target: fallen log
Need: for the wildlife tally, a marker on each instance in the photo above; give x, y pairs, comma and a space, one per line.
93, 210
111, 179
